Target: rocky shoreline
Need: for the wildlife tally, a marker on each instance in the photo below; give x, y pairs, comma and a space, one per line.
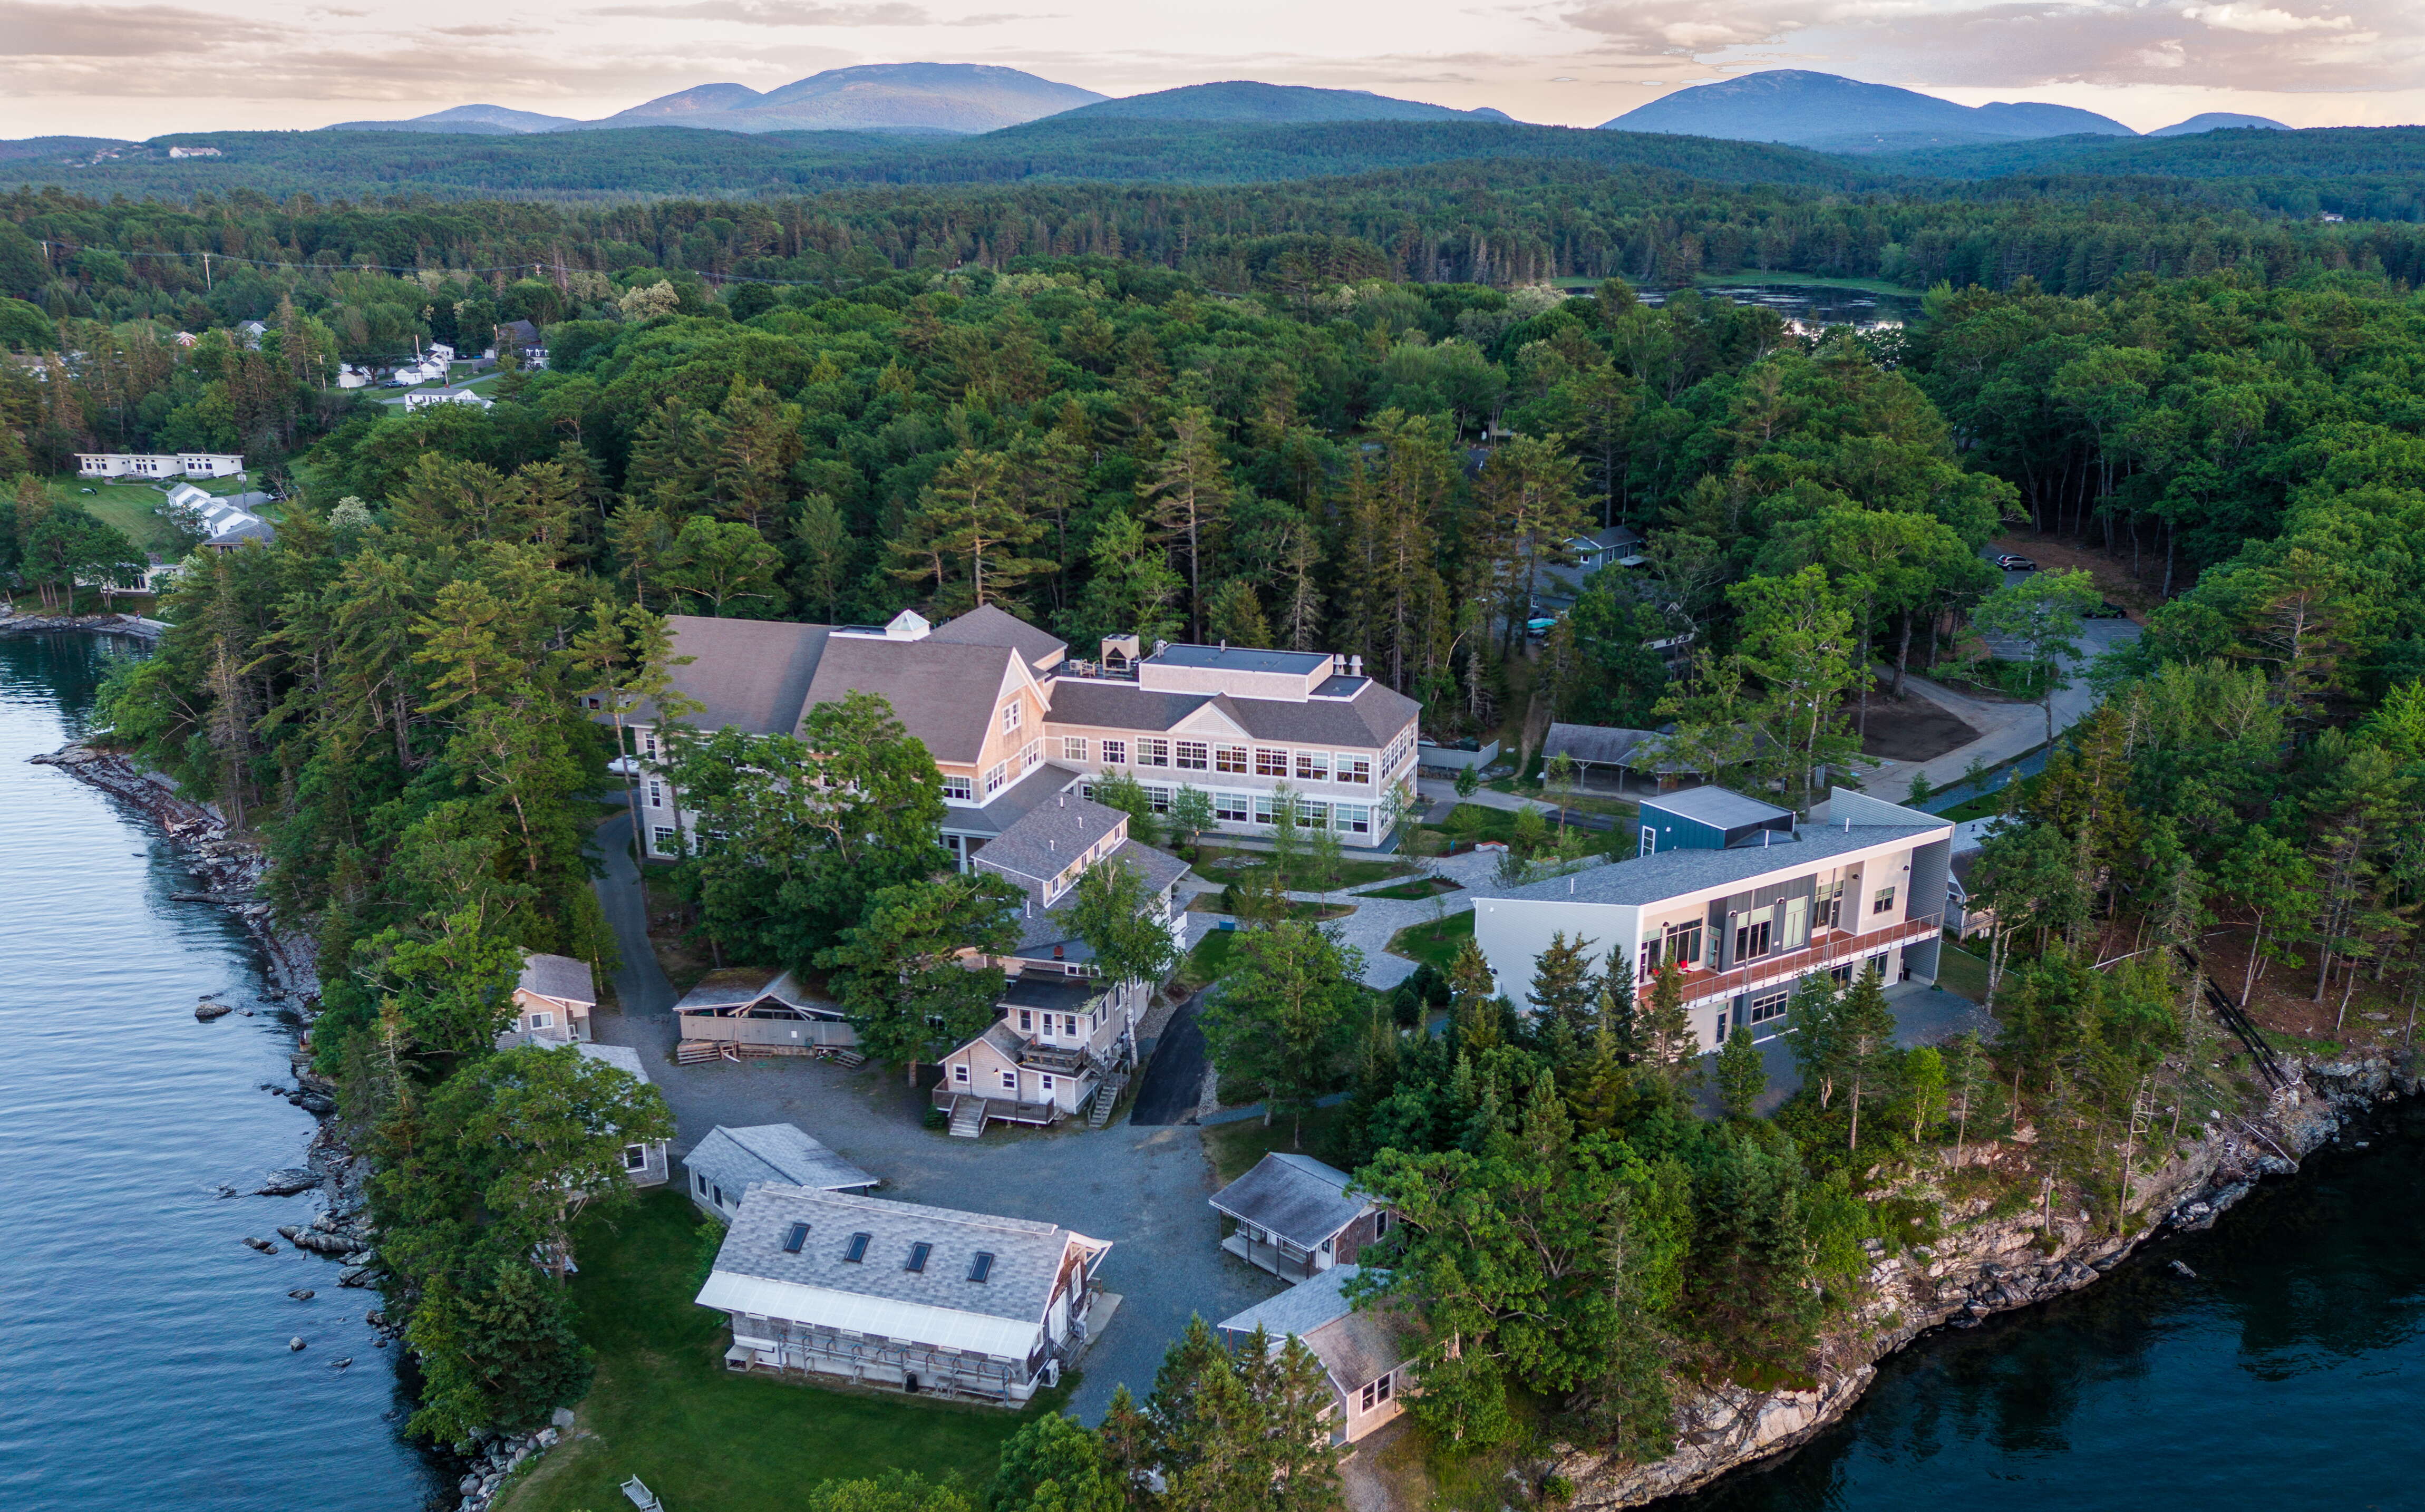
109, 624
229, 870
1986, 1267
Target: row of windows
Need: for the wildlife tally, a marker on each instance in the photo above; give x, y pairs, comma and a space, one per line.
1263, 807
1009, 1080
1202, 756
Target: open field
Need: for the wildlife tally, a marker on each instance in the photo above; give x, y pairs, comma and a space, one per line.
664, 1408
1436, 943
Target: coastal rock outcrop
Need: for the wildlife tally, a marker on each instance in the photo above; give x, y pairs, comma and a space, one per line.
1980, 1266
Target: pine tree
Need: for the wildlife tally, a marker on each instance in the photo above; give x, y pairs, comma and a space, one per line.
1742, 1074
1563, 991
1864, 1048
1188, 498
965, 536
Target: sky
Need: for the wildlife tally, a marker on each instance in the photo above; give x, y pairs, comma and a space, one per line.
138, 69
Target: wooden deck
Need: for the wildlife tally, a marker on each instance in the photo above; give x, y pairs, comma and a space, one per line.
970, 1112
1834, 948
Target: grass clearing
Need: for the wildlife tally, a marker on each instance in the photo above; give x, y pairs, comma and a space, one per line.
132, 509
1234, 1147
1314, 912
1436, 944
1416, 891
1961, 974
664, 1408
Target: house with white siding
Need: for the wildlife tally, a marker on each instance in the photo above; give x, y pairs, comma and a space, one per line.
730, 1163
1744, 900
1367, 1353
921, 1299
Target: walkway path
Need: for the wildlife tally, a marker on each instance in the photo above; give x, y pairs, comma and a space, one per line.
1142, 1188
2006, 730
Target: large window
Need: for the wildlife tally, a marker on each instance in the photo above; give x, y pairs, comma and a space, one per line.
662, 840
1355, 818
656, 794
1073, 748
1194, 757
1154, 753
1766, 1006
1159, 797
996, 777
1751, 935
1678, 942
1229, 759
1353, 769
1032, 756
1884, 901
1010, 717
1797, 922
1313, 767
1311, 815
1231, 808
962, 788
1270, 762
1116, 753
1827, 906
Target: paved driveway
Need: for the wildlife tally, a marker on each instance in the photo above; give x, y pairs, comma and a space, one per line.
1142, 1188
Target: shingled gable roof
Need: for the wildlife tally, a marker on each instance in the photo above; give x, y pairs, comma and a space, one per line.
750, 675
1354, 1344
942, 692
1048, 837
560, 977
986, 625
1295, 1196
1672, 874
1372, 717
1028, 1257
739, 1159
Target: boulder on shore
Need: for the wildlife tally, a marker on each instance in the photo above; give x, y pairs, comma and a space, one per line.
208, 1011
288, 1183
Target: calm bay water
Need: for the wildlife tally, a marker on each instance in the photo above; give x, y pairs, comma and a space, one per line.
2288, 1376
143, 1350
143, 1360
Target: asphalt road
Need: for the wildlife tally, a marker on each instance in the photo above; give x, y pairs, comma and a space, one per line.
1174, 1079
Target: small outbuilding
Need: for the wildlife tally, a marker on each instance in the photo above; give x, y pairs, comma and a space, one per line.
1367, 1352
1295, 1216
739, 1011
553, 1000
1711, 818
728, 1162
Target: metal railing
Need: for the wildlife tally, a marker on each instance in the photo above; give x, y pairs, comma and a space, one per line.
1791, 965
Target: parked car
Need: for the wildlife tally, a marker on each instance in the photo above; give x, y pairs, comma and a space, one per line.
2016, 564
2108, 610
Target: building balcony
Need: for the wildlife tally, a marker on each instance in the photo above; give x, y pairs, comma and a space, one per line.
1061, 1060
1832, 947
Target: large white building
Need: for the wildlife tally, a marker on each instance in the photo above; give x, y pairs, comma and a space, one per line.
1744, 900
157, 465
1012, 720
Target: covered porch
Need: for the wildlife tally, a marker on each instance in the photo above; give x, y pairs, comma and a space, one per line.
1279, 1257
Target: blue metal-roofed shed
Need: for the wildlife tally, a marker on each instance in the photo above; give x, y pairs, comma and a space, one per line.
1710, 818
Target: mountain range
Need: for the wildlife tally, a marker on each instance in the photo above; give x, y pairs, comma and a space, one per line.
1795, 106
1830, 113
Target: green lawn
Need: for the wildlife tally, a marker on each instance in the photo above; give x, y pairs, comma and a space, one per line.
1474, 821
1235, 1147
664, 1408
1211, 903
1979, 807
131, 508
1209, 959
1420, 888
1961, 974
1437, 944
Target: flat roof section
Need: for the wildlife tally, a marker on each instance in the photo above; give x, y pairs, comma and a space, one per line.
1719, 807
1243, 659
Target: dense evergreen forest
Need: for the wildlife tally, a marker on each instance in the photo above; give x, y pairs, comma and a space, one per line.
1350, 417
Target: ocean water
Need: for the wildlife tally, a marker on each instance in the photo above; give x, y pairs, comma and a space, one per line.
143, 1349
2288, 1374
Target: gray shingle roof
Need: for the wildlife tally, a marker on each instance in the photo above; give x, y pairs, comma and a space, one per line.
986, 625
560, 977
729, 987
1042, 843
1027, 1255
1012, 802
1104, 706
942, 692
1159, 869
751, 675
1717, 807
1295, 1196
739, 1159
623, 1057
1600, 745
1673, 873
1356, 1345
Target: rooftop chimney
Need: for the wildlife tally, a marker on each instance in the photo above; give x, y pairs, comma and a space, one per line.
1356, 667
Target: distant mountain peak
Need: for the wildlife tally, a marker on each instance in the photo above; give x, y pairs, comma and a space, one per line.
1826, 110
1250, 100
2218, 120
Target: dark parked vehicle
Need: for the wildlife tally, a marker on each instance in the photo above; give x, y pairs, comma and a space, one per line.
2016, 564
2108, 610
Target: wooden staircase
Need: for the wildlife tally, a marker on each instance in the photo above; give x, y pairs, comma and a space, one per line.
1106, 1098
698, 1051
849, 1059
968, 1117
